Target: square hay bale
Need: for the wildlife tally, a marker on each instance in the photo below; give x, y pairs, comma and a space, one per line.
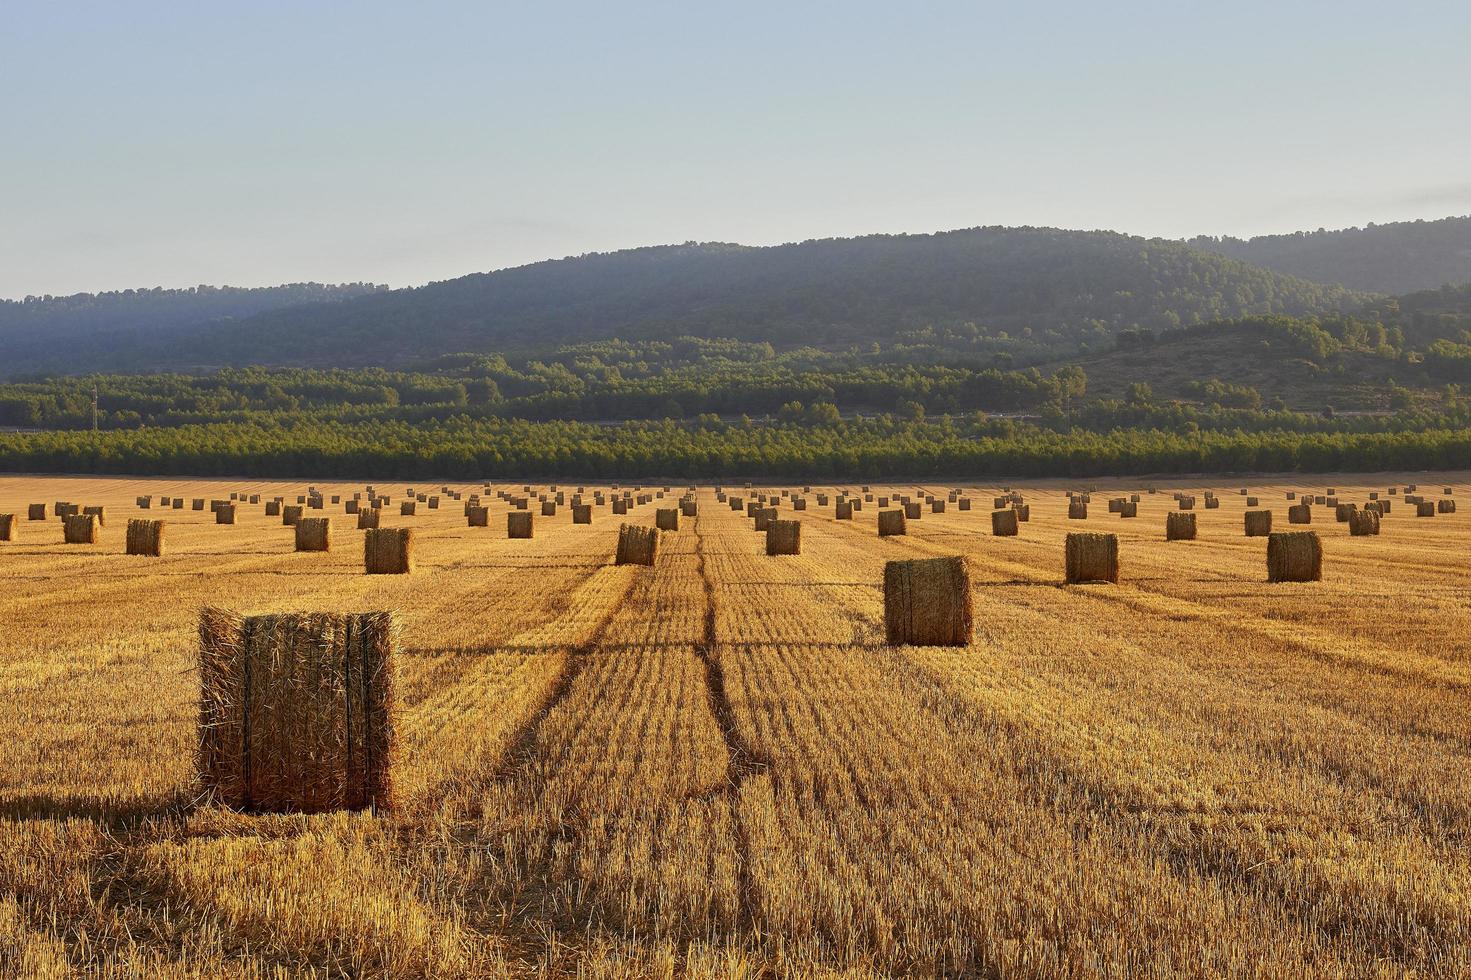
1077, 511
822, 499
80, 529
408, 508
1258, 523
1022, 511
1385, 506
1091, 556
963, 503
582, 513
1133, 498
1004, 523
784, 538
689, 508
548, 508
1294, 556
1212, 503
620, 506
1129, 508
1300, 514
1114, 506
843, 511
911, 510
1425, 508
1187, 503
1373, 494
1292, 495
290, 514
144, 503
7, 527
351, 507
638, 544
178, 503
388, 550
337, 498
667, 518
927, 602
1445, 506
891, 523
296, 711
197, 503
144, 538
36, 512
937, 506
1331, 501
225, 514
518, 524
314, 503
273, 508
764, 517
98, 512
477, 516
799, 503
1342, 512
368, 518
1364, 522
1180, 527
737, 503
433, 503
1320, 500
1252, 502
314, 534
855, 503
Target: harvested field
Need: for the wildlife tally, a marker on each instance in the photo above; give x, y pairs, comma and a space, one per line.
718, 767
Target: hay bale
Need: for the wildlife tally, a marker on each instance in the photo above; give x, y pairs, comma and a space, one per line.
297, 710
368, 518
1252, 502
582, 513
144, 503
784, 538
1445, 506
1077, 511
1180, 527
1091, 556
225, 514
843, 511
1258, 523
891, 523
1186, 502
1114, 506
927, 602
144, 538
1004, 523
548, 508
963, 503
689, 508
737, 503
433, 503
911, 510
1364, 522
80, 529
667, 518
290, 514
620, 506
518, 524
8, 525
178, 503
1425, 508
408, 508
98, 512
937, 506
1212, 503
254, 499
351, 507
1023, 511
387, 550
637, 545
1129, 508
273, 508
764, 517
314, 534
1300, 514
197, 503
36, 512
1385, 506
1294, 556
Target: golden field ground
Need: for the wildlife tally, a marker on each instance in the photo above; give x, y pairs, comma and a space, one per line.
716, 767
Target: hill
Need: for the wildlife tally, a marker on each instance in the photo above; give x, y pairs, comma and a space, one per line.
1400, 257
1025, 291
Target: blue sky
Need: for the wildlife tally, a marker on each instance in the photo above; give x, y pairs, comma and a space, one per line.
254, 143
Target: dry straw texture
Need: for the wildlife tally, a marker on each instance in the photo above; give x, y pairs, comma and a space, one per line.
582, 513
518, 524
843, 510
8, 525
911, 510
98, 512
1004, 523
388, 550
1425, 509
273, 508
1077, 511
1180, 527
477, 516
891, 523
1364, 522
296, 710
408, 508
764, 517
225, 514
290, 514
666, 519
927, 602
314, 534
1129, 508
144, 538
548, 508
36, 512
1258, 523
368, 517
637, 545
1300, 514
784, 538
1294, 556
1091, 556
80, 529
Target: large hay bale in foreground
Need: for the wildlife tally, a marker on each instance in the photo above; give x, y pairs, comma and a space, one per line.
314, 534
1091, 556
144, 538
582, 513
927, 602
80, 529
1294, 556
638, 544
225, 514
296, 710
891, 523
1004, 523
388, 550
1258, 523
1300, 514
1364, 522
667, 518
7, 527
1180, 526
290, 514
518, 524
36, 512
1077, 511
784, 538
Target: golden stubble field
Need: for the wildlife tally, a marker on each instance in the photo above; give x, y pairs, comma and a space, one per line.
717, 768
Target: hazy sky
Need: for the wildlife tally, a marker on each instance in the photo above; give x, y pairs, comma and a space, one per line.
260, 142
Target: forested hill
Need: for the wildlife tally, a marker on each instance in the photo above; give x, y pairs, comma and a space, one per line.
1401, 257
1024, 291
